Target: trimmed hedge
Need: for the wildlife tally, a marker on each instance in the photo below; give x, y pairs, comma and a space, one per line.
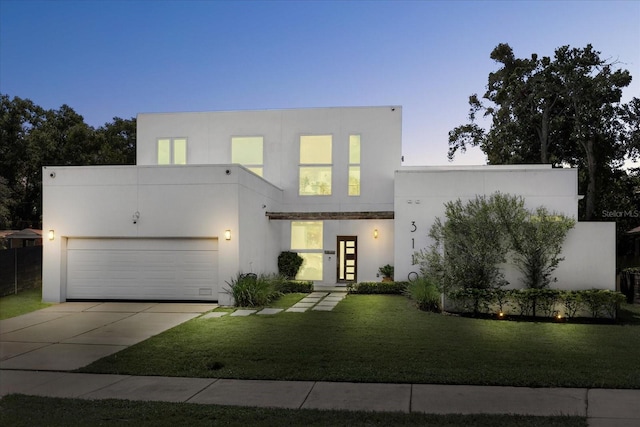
598, 303
293, 286
397, 288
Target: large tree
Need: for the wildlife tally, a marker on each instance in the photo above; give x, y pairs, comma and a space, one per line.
563, 110
32, 137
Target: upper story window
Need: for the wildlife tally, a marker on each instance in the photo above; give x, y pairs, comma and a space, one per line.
172, 151
315, 165
354, 165
248, 151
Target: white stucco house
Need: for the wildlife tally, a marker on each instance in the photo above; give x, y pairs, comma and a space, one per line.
218, 193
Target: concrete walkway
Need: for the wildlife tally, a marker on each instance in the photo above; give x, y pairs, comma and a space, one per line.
71, 335
602, 407
37, 348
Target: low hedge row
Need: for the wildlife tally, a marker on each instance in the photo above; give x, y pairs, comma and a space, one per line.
597, 303
377, 288
293, 286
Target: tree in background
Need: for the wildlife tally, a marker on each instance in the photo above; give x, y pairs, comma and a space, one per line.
32, 137
563, 110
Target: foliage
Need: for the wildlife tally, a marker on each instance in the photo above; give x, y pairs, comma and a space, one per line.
472, 300
377, 288
560, 110
250, 290
289, 263
287, 286
386, 271
426, 294
572, 302
601, 302
537, 302
473, 241
537, 243
32, 137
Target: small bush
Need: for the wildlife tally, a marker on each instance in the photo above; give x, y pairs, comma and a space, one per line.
602, 302
292, 286
289, 263
377, 288
386, 271
473, 300
426, 293
253, 291
572, 302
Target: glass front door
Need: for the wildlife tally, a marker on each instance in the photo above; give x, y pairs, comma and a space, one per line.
347, 259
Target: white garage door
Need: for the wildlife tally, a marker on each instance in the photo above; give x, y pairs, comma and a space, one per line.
142, 269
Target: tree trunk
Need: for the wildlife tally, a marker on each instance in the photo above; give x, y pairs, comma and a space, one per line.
590, 202
544, 137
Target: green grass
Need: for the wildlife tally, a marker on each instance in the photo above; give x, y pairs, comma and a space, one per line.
376, 338
17, 410
22, 303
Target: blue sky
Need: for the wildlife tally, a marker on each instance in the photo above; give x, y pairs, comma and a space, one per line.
119, 58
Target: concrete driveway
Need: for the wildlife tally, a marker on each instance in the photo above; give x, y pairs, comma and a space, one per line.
71, 335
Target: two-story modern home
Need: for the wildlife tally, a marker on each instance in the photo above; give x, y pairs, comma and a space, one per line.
215, 194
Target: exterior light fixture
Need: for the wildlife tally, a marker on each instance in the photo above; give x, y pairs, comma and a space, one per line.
227, 234
375, 233
501, 315
51, 235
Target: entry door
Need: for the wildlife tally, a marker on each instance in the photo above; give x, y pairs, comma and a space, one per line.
347, 259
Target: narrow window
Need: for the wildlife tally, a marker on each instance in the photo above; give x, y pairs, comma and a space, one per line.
354, 165
315, 165
248, 151
172, 151
306, 239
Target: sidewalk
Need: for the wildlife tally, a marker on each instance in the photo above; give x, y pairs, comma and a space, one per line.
603, 407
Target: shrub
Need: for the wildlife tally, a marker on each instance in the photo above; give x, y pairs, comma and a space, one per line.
602, 302
524, 301
572, 302
290, 286
538, 243
289, 263
426, 293
377, 288
249, 290
473, 300
386, 271
545, 300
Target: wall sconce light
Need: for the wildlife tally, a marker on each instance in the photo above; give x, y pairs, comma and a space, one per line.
135, 217
51, 235
227, 234
375, 233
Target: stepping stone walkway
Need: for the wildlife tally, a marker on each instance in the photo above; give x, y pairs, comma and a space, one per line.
318, 301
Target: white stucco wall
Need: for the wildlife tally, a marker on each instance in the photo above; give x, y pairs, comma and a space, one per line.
173, 201
209, 142
421, 192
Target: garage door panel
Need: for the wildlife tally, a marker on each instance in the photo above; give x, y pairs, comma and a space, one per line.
142, 269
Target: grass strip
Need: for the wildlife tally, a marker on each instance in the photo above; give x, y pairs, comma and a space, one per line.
20, 410
22, 303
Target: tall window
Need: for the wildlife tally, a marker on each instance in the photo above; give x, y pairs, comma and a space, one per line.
172, 151
315, 165
306, 239
354, 165
248, 151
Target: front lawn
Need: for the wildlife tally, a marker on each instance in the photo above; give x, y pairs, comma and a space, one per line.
22, 303
378, 338
27, 411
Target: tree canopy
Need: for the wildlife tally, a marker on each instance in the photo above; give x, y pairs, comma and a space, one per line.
564, 110
32, 137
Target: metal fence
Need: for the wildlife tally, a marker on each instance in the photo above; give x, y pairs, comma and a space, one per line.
20, 269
